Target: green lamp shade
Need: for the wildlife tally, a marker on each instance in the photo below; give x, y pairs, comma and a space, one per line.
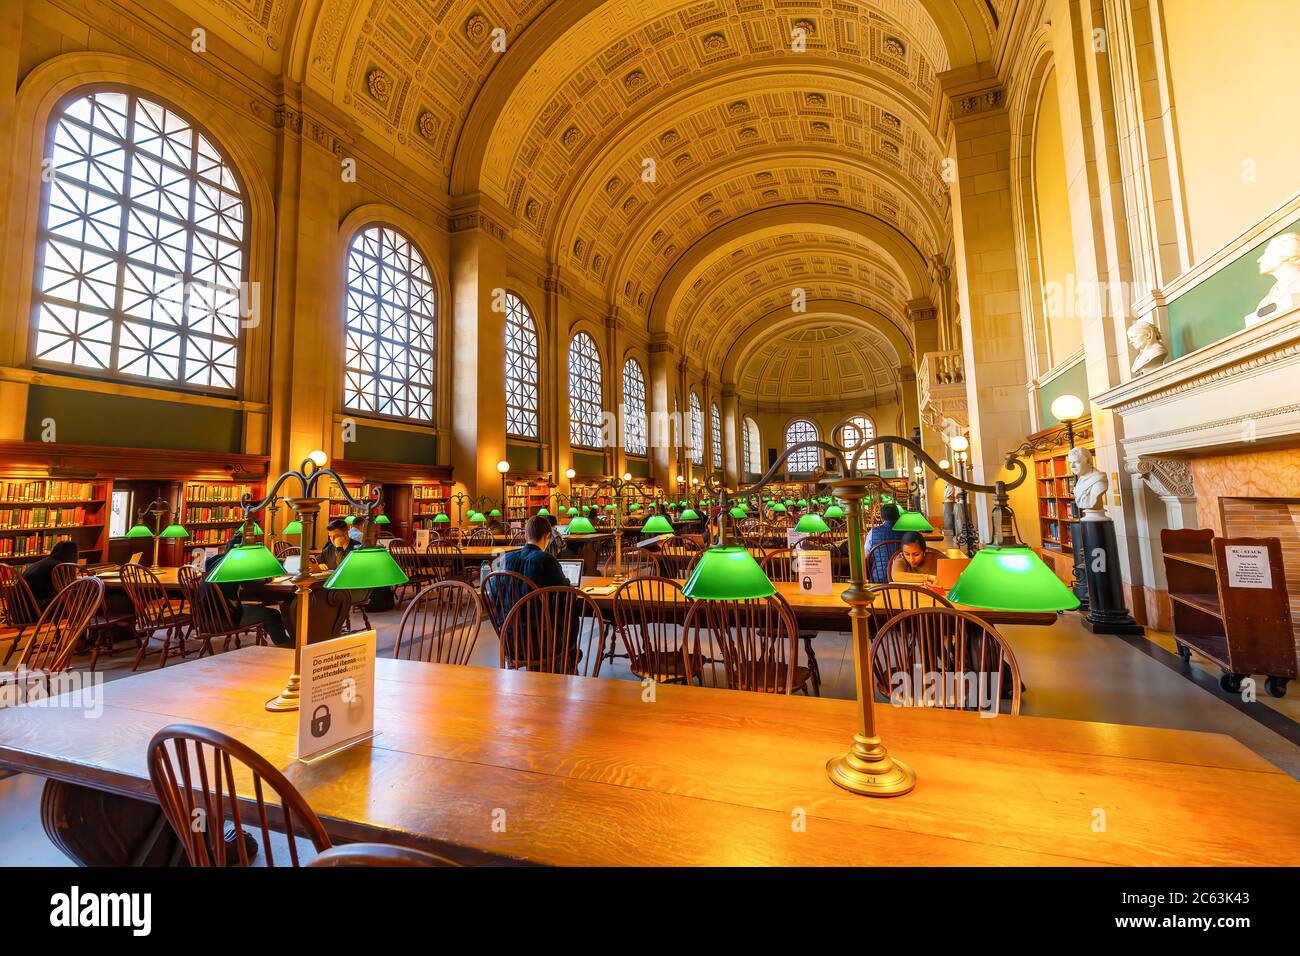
441, 518
657, 524
581, 525
382, 519
683, 503
737, 513
477, 517
139, 531
834, 511
257, 528
728, 574
572, 511
494, 513
174, 531
293, 527
688, 515
778, 508
363, 568
248, 562
609, 507
543, 512
912, 521
811, 524
887, 499
802, 502
1011, 579
636, 506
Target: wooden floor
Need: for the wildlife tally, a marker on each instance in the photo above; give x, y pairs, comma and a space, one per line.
1068, 671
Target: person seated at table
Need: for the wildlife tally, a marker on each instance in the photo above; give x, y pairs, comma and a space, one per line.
535, 562
878, 573
914, 559
40, 576
239, 612
339, 544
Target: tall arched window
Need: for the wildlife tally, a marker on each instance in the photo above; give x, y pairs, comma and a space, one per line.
753, 448
521, 369
806, 459
634, 413
140, 254
715, 425
584, 392
856, 430
390, 323
697, 430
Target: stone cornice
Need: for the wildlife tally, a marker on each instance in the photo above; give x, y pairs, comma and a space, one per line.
1168, 477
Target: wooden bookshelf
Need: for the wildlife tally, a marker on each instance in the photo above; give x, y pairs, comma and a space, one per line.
210, 511
37, 513
1054, 489
428, 500
525, 495
1244, 629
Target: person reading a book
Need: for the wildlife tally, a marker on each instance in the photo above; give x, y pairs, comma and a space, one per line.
914, 562
40, 576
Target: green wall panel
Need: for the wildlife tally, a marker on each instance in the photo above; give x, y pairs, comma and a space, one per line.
585, 463
90, 418
524, 457
1215, 308
385, 444
1073, 381
638, 467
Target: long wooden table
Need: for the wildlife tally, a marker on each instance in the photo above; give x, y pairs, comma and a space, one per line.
587, 772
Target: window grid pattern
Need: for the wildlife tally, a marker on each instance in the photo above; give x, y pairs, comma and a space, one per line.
697, 430
715, 423
390, 325
806, 459
584, 392
634, 410
521, 369
856, 430
141, 255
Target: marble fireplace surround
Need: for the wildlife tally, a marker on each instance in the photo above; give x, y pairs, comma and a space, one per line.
1220, 422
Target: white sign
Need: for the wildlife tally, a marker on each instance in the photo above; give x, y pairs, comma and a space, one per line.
793, 537
336, 706
1248, 567
421, 539
813, 571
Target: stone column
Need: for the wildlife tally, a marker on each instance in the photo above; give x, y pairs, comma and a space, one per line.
733, 469
1170, 481
664, 432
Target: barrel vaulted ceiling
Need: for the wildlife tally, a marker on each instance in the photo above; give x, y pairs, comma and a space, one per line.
830, 363
558, 129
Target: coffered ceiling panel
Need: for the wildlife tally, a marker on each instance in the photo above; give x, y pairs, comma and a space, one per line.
828, 362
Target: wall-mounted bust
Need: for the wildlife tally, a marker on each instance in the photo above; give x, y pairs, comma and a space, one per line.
1145, 338
1090, 485
1281, 260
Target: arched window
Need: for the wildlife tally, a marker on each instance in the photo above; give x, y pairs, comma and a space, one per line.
140, 254
584, 392
634, 415
697, 430
856, 430
806, 459
390, 324
753, 448
715, 424
521, 369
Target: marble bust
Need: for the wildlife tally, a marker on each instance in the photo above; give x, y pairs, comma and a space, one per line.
1146, 341
1281, 260
1090, 485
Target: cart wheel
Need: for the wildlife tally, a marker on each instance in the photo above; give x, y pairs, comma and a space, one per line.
1276, 686
1184, 652
1231, 683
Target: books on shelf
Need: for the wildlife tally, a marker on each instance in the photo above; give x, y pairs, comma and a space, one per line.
21, 519
28, 545
46, 491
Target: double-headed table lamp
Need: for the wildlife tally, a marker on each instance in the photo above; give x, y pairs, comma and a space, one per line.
156, 509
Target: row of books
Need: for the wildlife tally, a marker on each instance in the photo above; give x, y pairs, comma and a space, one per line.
203, 515
226, 492
46, 490
41, 517
423, 492
207, 536
23, 545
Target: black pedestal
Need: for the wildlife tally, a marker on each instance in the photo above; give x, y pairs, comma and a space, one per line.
1079, 584
1107, 612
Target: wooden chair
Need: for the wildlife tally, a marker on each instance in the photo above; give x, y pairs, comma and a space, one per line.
443, 561
838, 550
914, 646
193, 774
517, 535
677, 555
649, 618
878, 558
778, 565
99, 637
891, 598
157, 617
636, 564
416, 574
378, 854
213, 617
283, 549
556, 630
440, 626
481, 537
63, 623
500, 591
756, 642
18, 607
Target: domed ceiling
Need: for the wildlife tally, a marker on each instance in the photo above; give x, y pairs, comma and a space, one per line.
828, 363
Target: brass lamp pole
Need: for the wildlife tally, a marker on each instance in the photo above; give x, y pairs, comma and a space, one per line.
867, 768
622, 489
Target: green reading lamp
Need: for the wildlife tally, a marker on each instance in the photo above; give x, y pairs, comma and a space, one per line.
246, 562
494, 513
778, 508
441, 518
543, 512
382, 519
293, 527
834, 511
657, 524
139, 531
476, 517
811, 523
802, 503
912, 521
581, 525
350, 520
737, 513
609, 507
572, 511
728, 573
366, 567
690, 514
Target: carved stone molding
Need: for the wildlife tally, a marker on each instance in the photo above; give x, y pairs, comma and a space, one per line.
300, 124
980, 101
1168, 477
479, 220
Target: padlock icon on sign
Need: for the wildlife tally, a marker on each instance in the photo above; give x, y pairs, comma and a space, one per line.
807, 583
320, 721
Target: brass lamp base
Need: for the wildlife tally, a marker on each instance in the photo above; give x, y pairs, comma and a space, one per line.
868, 770
287, 699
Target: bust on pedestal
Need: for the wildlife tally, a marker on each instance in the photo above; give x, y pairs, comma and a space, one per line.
1107, 611
1281, 260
